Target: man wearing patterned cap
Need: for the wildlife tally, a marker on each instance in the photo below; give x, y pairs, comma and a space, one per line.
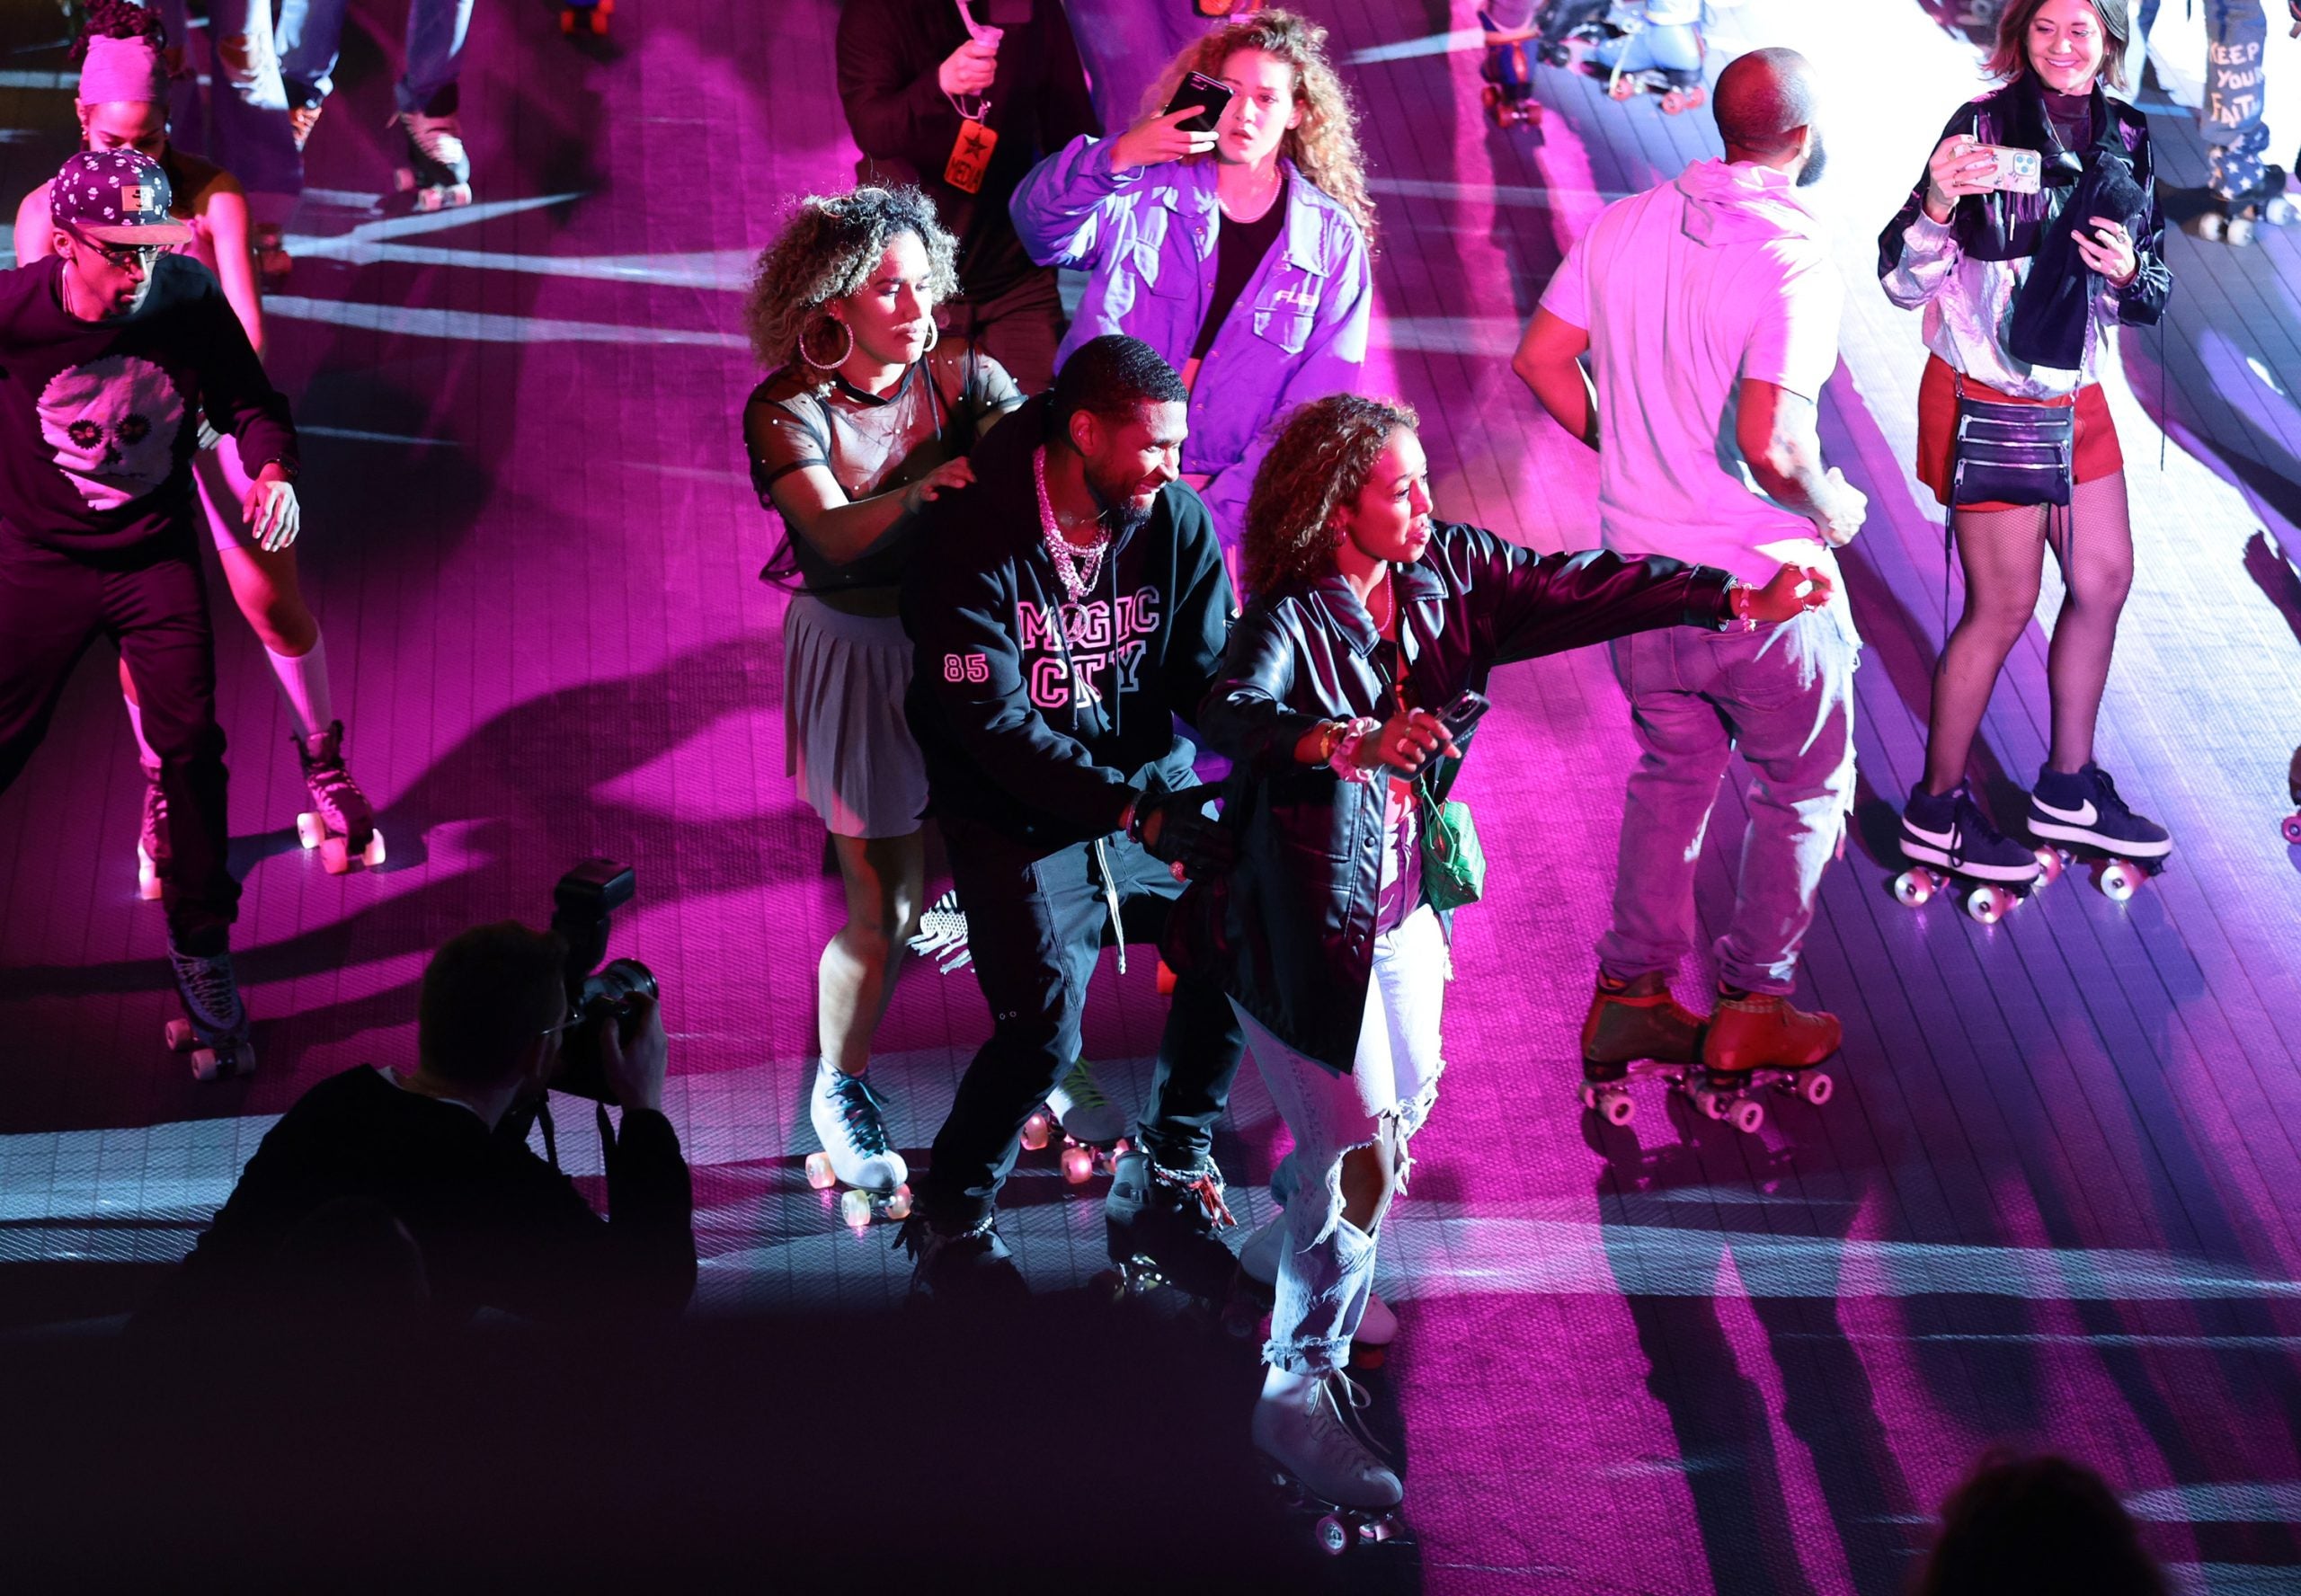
111, 349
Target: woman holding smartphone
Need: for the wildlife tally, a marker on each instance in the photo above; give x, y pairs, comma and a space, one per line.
1238, 251
1368, 622
2021, 292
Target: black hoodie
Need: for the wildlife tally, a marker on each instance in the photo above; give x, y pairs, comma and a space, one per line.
1041, 718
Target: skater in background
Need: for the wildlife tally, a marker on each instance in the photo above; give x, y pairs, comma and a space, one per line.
939, 100
112, 349
2022, 294
427, 96
1366, 620
2245, 190
1509, 26
234, 113
866, 417
1646, 43
1240, 255
1710, 297
1065, 609
122, 104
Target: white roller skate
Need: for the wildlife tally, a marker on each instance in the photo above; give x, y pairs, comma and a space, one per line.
1321, 1461
1258, 1261
341, 823
214, 1027
438, 170
1093, 1127
149, 838
849, 1120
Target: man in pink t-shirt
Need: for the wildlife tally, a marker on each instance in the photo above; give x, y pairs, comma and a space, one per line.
1709, 310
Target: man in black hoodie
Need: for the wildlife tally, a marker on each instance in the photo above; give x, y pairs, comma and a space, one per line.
1063, 610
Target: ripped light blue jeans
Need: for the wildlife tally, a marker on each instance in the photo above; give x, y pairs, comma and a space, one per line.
1326, 1267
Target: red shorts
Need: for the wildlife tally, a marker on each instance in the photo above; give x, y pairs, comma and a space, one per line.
2097, 454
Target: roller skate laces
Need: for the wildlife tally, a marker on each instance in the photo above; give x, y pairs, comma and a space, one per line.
1079, 1107
849, 1119
341, 822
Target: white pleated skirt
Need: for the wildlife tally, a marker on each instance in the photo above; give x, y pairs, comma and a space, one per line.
845, 741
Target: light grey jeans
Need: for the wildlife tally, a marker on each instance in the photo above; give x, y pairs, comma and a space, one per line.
1784, 694
1326, 1267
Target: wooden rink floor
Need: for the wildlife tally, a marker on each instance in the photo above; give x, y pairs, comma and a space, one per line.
2053, 1205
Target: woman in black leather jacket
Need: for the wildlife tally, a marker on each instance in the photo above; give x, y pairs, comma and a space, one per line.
2021, 294
1366, 617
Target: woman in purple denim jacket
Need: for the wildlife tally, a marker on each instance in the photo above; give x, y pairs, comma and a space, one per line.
1251, 267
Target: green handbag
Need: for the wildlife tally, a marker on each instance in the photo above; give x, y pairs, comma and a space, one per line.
1454, 866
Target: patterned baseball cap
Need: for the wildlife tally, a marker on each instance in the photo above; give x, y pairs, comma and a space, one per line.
118, 196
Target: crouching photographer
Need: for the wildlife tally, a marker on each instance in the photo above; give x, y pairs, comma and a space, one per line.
441, 1150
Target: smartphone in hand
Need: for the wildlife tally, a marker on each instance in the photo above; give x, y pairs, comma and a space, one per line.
1205, 93
2019, 170
1462, 714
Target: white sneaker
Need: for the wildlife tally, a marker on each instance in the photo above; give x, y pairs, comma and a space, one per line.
848, 1116
1298, 1424
1259, 1260
1082, 1110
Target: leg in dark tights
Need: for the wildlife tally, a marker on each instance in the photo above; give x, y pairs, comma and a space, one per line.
2003, 555
2097, 572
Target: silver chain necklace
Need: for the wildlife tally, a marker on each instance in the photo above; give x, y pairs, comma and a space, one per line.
1077, 567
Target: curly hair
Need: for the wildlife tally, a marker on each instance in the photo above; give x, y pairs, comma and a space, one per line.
118, 19
2009, 58
1325, 147
1320, 462
829, 249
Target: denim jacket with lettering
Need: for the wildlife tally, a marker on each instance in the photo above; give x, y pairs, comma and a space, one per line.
1146, 239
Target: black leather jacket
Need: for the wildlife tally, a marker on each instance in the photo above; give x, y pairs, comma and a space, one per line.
1293, 928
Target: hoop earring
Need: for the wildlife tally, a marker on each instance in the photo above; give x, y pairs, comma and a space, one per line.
844, 354
934, 337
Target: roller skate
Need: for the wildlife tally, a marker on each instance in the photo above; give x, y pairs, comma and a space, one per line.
970, 1267
302, 120
1510, 80
2082, 819
849, 1120
340, 824
1636, 1030
1259, 1260
214, 1027
438, 172
268, 243
1321, 1464
2242, 193
1756, 1039
151, 839
1159, 1228
1950, 842
1093, 1127
586, 16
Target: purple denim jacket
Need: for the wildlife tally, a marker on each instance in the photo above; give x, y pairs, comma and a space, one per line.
1146, 240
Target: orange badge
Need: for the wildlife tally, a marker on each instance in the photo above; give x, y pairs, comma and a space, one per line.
971, 156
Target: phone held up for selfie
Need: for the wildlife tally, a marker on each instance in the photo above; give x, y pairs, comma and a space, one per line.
1203, 91
2019, 170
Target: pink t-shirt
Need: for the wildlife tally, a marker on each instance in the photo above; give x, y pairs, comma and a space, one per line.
1686, 290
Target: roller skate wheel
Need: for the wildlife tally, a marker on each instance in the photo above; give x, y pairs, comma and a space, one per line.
147, 874
1621, 88
404, 180
373, 853
1672, 102
899, 1205
2291, 828
335, 856
1817, 1088
1712, 1105
1617, 1107
1913, 888
1334, 1535
1037, 1129
1697, 97
1166, 979
2119, 881
567, 22
2049, 863
2239, 231
310, 830
854, 1208
1986, 905
179, 1036
1746, 1115
819, 1172
598, 21
2279, 212
1078, 1165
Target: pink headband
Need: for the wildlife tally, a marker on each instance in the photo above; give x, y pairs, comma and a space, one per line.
122, 69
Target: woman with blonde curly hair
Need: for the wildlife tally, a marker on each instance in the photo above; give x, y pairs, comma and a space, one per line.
866, 417
1367, 619
1240, 254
